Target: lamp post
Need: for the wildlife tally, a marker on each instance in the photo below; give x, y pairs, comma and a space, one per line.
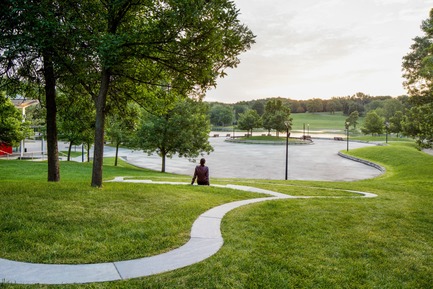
234, 122
347, 135
303, 135
287, 124
386, 131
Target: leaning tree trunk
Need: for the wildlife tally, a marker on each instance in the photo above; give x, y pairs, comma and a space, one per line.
98, 153
50, 95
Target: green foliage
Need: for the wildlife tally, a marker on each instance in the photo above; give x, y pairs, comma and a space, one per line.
221, 115
249, 120
259, 107
276, 116
396, 122
353, 119
373, 124
315, 105
419, 123
12, 127
122, 126
76, 120
182, 130
418, 71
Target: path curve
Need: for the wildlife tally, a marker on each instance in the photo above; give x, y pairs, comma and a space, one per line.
205, 241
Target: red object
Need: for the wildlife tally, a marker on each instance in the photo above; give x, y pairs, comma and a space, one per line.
5, 149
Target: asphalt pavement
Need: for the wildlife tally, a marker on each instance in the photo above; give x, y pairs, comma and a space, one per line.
316, 161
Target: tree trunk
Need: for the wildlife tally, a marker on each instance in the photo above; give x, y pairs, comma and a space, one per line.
163, 162
50, 96
88, 152
69, 151
98, 153
117, 153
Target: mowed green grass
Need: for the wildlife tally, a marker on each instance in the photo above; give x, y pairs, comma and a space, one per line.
70, 222
338, 240
319, 121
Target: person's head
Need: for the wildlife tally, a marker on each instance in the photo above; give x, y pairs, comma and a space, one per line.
202, 162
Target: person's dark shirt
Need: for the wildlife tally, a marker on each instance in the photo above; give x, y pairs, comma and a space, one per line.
201, 173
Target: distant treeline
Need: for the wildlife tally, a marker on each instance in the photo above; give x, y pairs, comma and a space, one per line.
360, 102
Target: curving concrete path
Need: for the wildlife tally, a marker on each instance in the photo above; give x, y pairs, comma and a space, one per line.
206, 240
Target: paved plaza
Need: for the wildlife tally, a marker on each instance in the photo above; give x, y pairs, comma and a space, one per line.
316, 161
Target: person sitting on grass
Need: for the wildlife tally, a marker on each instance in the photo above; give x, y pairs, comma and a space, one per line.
201, 173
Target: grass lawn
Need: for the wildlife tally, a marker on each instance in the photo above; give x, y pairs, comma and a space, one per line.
335, 241
319, 121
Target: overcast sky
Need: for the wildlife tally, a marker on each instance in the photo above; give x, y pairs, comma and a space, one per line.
323, 48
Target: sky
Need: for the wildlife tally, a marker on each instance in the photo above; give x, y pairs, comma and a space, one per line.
322, 48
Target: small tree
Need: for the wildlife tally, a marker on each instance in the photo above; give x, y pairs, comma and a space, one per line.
418, 123
275, 115
182, 130
249, 120
121, 127
396, 123
12, 127
353, 119
373, 124
76, 121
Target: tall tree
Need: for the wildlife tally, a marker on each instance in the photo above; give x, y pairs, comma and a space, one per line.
187, 43
34, 37
418, 71
182, 130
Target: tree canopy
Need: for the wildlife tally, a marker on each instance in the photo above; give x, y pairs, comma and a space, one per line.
249, 120
134, 47
418, 71
12, 127
182, 130
373, 124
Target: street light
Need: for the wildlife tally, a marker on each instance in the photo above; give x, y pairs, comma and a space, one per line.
234, 122
347, 134
287, 124
386, 130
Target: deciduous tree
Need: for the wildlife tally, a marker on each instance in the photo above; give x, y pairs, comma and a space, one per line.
373, 124
182, 130
122, 126
12, 127
249, 120
418, 71
221, 115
